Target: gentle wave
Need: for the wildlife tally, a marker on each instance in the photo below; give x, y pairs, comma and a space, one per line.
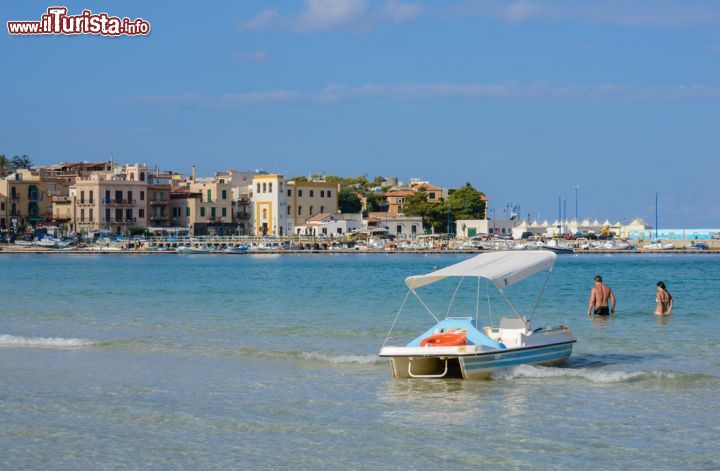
357, 359
19, 341
593, 375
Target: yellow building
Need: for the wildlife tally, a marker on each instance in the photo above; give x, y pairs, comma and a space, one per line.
278, 205
29, 195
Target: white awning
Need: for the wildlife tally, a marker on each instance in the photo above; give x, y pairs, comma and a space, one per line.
502, 268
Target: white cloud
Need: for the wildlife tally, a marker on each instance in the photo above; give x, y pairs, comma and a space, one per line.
327, 15
336, 93
253, 56
619, 12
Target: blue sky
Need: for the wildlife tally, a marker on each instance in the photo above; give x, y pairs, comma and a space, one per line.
521, 98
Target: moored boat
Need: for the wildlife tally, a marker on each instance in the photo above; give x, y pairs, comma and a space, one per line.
459, 347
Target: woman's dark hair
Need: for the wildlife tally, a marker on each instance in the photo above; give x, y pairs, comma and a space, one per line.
662, 285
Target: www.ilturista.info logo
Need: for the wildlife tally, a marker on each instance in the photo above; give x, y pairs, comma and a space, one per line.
57, 21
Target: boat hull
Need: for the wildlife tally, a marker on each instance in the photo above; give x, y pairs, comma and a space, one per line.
481, 365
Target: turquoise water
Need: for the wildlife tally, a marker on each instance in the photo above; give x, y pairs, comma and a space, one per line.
257, 361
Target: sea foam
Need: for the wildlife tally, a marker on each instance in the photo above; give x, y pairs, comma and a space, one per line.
54, 342
593, 375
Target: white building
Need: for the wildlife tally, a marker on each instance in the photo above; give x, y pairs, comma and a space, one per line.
467, 228
331, 224
400, 226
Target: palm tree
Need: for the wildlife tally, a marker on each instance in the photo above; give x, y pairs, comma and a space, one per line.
3, 166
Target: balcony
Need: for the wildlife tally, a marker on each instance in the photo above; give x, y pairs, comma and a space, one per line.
14, 197
158, 217
159, 202
123, 221
86, 203
242, 215
117, 202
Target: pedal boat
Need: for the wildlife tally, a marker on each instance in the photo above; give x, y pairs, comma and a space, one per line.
457, 347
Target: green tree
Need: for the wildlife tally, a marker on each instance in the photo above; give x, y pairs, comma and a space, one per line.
374, 202
3, 166
19, 162
467, 203
433, 214
349, 201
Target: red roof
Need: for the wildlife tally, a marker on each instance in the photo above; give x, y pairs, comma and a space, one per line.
400, 193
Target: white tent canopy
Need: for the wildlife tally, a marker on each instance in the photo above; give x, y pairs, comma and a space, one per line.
502, 268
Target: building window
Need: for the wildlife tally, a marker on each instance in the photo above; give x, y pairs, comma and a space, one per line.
328, 193
209, 195
142, 196
13, 210
299, 210
142, 176
224, 194
82, 197
107, 214
82, 215
431, 195
264, 214
289, 192
311, 210
264, 187
398, 229
118, 215
202, 212
132, 176
212, 212
91, 215
92, 197
322, 193
289, 210
224, 212
413, 229
339, 230
128, 214
141, 213
130, 200
322, 209
187, 212
300, 193
270, 187
324, 230
312, 193
107, 197
258, 188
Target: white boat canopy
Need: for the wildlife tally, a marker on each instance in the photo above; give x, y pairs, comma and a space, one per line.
502, 268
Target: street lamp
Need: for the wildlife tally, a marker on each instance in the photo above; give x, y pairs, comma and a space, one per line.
576, 188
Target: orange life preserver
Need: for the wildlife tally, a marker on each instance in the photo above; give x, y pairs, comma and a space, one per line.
445, 339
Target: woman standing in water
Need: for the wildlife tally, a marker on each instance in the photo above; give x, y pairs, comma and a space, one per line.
664, 300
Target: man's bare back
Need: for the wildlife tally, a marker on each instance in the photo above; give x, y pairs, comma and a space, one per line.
600, 296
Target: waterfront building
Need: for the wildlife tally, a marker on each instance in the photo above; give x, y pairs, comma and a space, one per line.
29, 196
399, 226
435, 194
331, 224
279, 205
115, 201
468, 228
395, 200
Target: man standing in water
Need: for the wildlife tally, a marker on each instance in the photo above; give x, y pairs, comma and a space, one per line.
599, 296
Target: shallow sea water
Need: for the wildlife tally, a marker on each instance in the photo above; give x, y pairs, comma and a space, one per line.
266, 361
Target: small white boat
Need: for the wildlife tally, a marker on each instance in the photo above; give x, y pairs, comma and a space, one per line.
47, 242
24, 243
559, 246
615, 245
657, 245
189, 249
458, 347
236, 249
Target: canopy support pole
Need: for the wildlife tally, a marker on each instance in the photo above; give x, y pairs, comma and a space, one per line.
397, 316
425, 305
547, 278
477, 305
487, 291
509, 303
453, 296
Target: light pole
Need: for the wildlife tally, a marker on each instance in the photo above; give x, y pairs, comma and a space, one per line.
576, 188
656, 215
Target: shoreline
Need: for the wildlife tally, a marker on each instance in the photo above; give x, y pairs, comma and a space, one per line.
41, 251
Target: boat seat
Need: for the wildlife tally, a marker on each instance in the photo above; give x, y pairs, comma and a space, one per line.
512, 331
